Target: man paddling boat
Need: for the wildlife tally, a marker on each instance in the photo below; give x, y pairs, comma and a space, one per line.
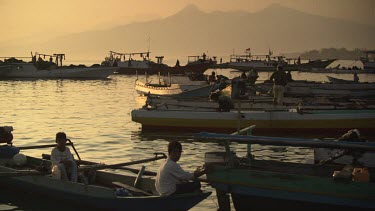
64, 166
171, 178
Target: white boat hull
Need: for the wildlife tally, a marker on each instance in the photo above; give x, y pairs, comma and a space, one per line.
28, 70
172, 89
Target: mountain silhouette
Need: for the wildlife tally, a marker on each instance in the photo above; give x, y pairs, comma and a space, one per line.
192, 32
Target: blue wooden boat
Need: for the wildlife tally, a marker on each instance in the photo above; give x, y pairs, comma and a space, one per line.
98, 194
95, 189
269, 184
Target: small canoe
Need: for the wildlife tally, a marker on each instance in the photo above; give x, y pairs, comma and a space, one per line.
340, 81
104, 190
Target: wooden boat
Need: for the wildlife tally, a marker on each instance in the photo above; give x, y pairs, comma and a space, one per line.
339, 80
290, 121
99, 194
248, 61
192, 89
257, 102
368, 61
316, 89
270, 184
268, 62
311, 65
14, 68
98, 190
335, 70
129, 65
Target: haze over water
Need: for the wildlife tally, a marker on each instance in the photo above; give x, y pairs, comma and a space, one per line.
95, 114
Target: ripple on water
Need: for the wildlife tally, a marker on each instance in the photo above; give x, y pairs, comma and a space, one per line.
95, 114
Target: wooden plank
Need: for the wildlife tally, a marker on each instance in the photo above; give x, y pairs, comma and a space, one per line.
133, 190
281, 141
39, 146
108, 166
85, 162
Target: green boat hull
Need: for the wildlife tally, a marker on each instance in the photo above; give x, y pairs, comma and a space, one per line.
308, 187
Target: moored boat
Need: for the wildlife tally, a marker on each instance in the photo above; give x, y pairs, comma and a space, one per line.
13, 68
284, 184
311, 65
292, 121
342, 90
368, 61
187, 89
130, 66
340, 81
248, 61
256, 102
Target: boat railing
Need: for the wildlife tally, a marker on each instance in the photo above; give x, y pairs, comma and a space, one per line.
116, 56
282, 141
244, 137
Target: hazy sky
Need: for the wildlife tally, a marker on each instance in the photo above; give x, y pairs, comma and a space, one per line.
48, 18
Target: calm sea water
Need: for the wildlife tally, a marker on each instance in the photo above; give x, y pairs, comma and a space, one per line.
95, 114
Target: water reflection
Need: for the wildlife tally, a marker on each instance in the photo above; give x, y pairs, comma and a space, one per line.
95, 114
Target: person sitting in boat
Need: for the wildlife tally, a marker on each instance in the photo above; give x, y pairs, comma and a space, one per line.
355, 78
63, 164
225, 102
171, 178
279, 79
253, 76
212, 77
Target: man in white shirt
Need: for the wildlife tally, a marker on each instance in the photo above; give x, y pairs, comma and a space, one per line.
171, 178
63, 164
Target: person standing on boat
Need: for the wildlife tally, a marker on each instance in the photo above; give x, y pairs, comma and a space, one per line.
171, 178
63, 164
355, 78
289, 76
299, 60
243, 76
279, 79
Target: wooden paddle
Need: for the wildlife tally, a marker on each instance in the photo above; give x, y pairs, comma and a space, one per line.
71, 143
39, 146
106, 166
85, 162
